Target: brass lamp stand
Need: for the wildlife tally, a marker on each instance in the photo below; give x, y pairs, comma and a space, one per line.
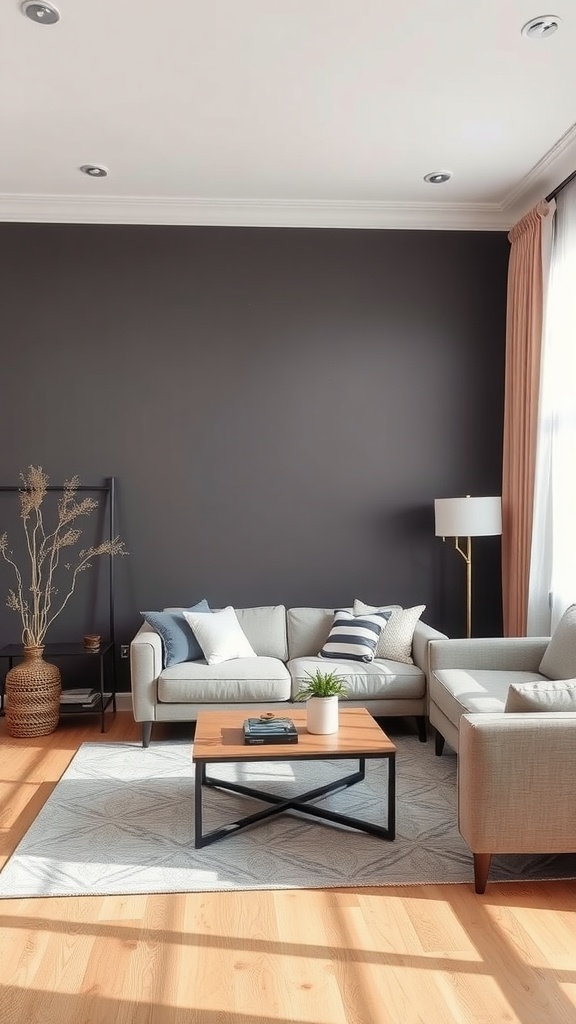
467, 556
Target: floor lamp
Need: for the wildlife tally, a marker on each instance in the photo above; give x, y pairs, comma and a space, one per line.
468, 517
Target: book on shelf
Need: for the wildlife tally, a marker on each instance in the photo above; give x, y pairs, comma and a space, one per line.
85, 697
270, 730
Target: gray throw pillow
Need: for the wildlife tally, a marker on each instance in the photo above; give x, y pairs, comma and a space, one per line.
395, 643
559, 661
548, 695
178, 641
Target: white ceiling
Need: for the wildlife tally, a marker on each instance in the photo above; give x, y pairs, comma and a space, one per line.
285, 112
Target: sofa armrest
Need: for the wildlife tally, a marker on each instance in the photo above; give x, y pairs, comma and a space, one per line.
145, 667
516, 782
521, 654
423, 634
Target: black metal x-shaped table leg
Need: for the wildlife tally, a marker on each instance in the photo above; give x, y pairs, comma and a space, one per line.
297, 803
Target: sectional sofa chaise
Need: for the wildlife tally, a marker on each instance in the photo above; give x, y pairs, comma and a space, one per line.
507, 705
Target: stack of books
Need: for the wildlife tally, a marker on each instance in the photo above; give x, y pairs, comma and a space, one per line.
270, 730
82, 697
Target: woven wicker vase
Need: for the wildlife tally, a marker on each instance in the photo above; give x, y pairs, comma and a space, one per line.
33, 688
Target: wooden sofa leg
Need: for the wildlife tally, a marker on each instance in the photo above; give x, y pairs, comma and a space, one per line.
481, 870
421, 724
438, 743
146, 733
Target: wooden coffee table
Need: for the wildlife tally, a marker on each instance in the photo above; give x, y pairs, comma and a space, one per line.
219, 738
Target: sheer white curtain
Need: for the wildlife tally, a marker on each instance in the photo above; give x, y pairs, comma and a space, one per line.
553, 558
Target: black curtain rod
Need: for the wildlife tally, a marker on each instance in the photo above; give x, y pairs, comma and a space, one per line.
559, 187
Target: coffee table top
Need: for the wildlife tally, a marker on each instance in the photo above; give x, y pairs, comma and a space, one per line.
219, 737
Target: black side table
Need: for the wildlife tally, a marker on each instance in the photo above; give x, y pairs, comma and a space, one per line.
106, 650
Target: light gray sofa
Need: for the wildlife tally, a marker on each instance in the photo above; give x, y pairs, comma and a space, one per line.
287, 642
508, 707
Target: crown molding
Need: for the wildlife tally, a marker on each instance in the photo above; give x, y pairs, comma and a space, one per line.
551, 169
556, 165
252, 213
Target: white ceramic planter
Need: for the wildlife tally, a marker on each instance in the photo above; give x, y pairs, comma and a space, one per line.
322, 715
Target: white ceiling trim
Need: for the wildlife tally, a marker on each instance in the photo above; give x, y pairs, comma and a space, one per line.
252, 213
555, 165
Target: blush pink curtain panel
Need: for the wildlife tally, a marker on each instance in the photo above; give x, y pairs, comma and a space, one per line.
524, 321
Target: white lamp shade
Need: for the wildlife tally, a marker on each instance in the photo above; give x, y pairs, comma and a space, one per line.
468, 517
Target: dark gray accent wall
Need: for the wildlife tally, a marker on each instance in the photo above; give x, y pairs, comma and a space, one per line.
280, 407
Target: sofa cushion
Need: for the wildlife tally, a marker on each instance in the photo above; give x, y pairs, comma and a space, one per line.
549, 695
307, 630
559, 661
220, 635
395, 641
178, 641
365, 680
237, 681
354, 637
265, 628
458, 691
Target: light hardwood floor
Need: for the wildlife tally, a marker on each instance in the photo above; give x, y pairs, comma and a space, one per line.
430, 954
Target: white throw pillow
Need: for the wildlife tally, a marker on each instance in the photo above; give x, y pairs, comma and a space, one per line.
220, 635
395, 643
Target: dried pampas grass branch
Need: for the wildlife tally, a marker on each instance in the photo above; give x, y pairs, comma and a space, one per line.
45, 547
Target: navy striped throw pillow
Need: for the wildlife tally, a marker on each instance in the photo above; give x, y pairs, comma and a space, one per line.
354, 637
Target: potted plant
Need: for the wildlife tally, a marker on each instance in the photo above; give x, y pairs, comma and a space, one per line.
322, 693
43, 589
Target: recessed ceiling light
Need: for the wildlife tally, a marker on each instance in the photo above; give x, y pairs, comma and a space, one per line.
437, 177
540, 28
42, 14
94, 170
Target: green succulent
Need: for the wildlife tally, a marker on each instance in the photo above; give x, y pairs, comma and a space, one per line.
322, 684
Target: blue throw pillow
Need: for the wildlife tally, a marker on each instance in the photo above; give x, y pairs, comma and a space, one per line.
178, 641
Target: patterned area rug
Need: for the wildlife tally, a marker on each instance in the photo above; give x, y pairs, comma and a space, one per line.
120, 821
